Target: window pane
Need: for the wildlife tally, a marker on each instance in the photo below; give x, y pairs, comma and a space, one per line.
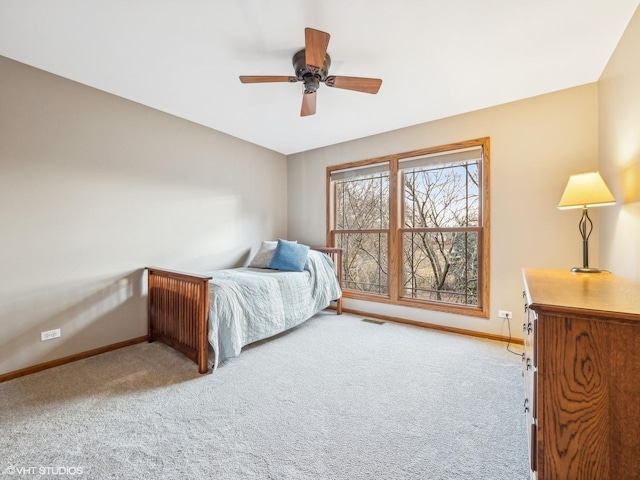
362, 202
441, 266
442, 196
365, 261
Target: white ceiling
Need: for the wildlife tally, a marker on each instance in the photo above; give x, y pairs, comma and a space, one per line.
437, 58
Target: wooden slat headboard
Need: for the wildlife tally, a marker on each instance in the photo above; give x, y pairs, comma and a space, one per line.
336, 256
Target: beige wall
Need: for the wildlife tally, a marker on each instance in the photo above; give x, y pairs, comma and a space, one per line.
92, 189
535, 145
619, 144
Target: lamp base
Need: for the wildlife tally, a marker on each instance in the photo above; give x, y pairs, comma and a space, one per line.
585, 270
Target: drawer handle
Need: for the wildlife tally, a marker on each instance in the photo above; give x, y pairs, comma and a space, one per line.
528, 363
526, 405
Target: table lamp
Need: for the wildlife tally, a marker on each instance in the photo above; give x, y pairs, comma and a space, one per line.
585, 190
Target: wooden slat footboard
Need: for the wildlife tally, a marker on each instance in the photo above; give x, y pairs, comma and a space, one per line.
178, 310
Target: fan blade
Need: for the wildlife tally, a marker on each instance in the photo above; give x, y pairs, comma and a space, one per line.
315, 47
266, 79
359, 84
308, 104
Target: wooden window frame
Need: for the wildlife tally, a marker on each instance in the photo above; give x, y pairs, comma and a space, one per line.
396, 230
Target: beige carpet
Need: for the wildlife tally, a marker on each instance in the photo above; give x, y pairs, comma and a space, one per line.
336, 398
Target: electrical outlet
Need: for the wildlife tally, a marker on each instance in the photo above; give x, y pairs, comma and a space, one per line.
49, 334
504, 314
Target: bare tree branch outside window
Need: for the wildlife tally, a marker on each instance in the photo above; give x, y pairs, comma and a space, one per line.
362, 214
440, 252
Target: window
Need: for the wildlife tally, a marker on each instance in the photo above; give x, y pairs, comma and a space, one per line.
414, 227
362, 227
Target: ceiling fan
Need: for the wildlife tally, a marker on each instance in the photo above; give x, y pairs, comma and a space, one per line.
311, 66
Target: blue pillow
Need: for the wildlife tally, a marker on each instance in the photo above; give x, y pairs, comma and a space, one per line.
289, 256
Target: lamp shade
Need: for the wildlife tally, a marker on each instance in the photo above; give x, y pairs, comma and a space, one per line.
586, 190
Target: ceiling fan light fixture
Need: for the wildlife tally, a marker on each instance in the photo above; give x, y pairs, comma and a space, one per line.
311, 83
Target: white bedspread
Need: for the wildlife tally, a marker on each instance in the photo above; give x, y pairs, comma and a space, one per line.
250, 304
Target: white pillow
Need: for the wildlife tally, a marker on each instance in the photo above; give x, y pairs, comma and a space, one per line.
262, 258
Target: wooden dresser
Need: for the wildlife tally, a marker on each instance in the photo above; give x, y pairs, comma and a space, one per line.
581, 366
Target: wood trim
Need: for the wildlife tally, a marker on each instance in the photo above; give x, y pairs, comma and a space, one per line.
177, 274
476, 142
433, 326
71, 358
417, 303
468, 310
359, 163
364, 231
485, 265
328, 205
394, 268
439, 229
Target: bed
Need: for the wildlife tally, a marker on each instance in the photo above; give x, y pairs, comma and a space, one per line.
210, 316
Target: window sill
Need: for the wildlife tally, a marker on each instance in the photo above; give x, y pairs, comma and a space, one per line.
422, 304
